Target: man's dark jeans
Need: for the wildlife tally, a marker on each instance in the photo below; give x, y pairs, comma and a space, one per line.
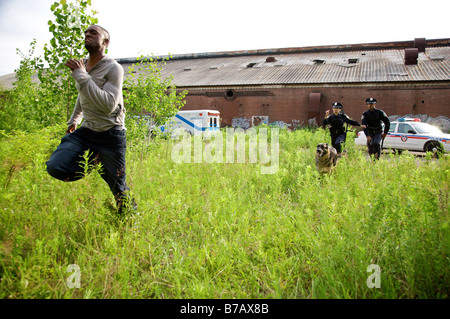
107, 147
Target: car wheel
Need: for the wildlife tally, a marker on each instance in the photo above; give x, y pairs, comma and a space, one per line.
435, 148
397, 151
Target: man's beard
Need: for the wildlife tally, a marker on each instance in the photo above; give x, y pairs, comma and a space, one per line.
88, 46
91, 47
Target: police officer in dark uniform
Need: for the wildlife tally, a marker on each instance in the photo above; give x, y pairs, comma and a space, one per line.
335, 123
373, 119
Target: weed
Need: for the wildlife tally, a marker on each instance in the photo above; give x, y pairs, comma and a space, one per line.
223, 230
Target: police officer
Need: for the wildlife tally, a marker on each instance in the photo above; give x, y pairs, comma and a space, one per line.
335, 123
373, 119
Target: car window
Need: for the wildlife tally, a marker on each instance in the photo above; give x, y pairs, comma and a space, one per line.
427, 128
405, 128
392, 127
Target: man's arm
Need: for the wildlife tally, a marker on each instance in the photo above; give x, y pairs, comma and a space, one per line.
326, 120
364, 124
77, 115
347, 120
387, 124
104, 99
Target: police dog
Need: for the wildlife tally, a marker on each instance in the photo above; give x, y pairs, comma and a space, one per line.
326, 158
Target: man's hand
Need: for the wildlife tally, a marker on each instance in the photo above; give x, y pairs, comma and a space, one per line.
74, 64
71, 128
383, 136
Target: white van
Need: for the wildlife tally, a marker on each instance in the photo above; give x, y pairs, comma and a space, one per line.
193, 121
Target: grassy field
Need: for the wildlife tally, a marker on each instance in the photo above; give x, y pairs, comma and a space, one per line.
224, 230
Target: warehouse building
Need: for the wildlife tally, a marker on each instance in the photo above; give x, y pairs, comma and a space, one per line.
297, 85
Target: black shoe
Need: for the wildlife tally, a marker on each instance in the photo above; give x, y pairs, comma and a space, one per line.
126, 203
127, 206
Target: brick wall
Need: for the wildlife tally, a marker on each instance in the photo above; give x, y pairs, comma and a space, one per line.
294, 103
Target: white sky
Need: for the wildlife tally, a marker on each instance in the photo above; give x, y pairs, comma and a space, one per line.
197, 26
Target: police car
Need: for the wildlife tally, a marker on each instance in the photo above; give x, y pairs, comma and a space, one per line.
411, 134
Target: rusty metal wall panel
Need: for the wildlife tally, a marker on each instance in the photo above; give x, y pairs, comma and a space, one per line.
372, 66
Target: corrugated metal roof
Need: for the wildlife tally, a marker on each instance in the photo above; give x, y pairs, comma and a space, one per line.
360, 66
375, 62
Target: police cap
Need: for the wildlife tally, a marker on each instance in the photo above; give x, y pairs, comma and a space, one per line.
337, 105
371, 100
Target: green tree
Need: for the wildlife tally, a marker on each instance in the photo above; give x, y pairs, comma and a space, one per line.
30, 105
20, 108
148, 93
71, 20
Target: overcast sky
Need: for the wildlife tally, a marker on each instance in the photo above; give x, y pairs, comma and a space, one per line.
197, 26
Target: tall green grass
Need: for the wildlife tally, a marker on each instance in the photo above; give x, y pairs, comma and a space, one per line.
224, 230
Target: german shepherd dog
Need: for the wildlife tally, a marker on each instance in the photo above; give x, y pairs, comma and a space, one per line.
326, 158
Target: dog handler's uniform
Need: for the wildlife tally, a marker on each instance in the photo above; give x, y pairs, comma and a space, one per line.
337, 129
373, 120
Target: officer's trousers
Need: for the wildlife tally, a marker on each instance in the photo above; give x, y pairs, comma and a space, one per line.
337, 140
374, 146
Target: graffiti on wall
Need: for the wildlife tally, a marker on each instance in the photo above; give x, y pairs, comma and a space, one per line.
441, 122
260, 119
240, 122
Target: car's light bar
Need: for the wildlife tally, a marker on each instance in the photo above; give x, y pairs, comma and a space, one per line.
406, 119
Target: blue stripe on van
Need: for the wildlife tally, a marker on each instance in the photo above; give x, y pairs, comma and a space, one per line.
190, 123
